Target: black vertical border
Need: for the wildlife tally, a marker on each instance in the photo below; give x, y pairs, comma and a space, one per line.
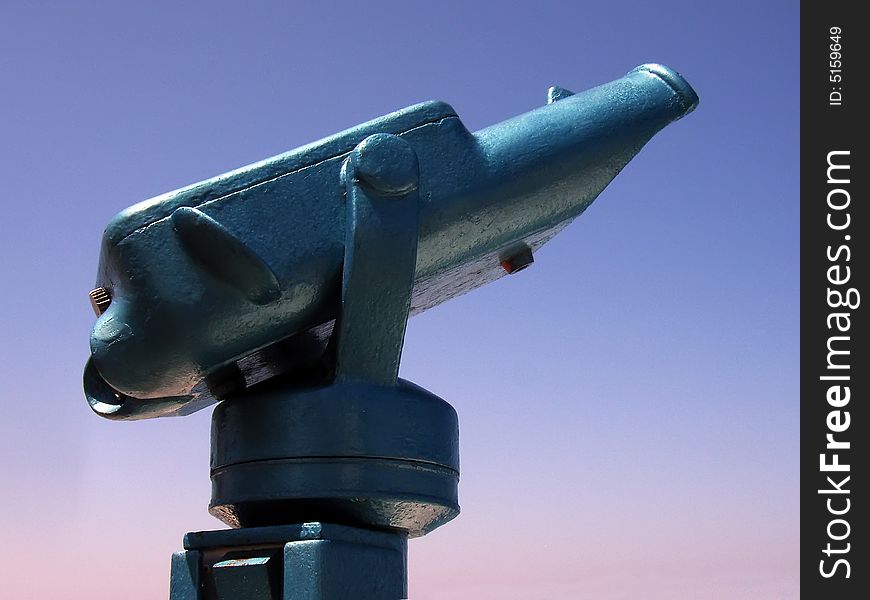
826, 128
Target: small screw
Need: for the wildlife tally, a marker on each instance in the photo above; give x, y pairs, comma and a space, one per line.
518, 261
100, 300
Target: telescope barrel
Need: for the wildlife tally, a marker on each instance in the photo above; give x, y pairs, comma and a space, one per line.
231, 280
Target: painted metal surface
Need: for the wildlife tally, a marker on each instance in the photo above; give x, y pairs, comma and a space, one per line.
284, 289
351, 453
381, 179
237, 279
308, 561
362, 448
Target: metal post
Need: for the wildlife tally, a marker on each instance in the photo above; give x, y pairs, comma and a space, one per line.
311, 561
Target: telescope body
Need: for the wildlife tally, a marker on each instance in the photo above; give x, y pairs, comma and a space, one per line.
284, 288
233, 280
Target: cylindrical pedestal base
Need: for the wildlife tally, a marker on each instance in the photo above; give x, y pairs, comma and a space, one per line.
351, 453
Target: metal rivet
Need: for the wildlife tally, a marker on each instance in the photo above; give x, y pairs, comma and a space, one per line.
388, 164
100, 300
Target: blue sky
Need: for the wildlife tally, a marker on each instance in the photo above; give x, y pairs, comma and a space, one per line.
628, 405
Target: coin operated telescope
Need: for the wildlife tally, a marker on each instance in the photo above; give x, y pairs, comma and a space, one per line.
281, 291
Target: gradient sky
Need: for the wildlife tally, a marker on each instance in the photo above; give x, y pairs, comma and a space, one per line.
628, 406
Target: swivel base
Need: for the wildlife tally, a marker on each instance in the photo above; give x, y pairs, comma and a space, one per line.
364, 455
309, 561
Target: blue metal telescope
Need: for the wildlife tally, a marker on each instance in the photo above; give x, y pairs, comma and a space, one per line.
282, 291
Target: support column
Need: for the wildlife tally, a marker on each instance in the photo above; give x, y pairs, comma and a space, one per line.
311, 561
